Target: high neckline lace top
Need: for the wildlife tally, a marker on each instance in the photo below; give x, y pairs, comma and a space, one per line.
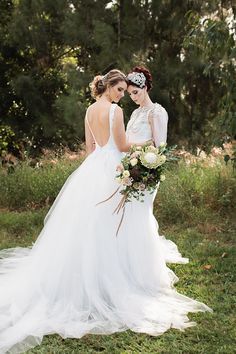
140, 129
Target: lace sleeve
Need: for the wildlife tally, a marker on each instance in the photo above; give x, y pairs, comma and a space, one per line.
159, 119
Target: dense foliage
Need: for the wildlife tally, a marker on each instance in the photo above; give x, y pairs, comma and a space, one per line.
51, 49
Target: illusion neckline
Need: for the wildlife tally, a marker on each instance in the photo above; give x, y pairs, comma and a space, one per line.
147, 108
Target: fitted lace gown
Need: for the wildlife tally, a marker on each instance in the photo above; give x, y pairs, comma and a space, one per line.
79, 278
140, 215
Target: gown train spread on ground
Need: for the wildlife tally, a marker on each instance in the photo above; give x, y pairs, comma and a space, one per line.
79, 278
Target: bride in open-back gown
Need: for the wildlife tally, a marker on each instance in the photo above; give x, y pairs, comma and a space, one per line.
78, 277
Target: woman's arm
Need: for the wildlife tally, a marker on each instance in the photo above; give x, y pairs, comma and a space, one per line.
158, 119
119, 131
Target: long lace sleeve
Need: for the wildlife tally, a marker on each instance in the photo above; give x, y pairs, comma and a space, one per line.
159, 119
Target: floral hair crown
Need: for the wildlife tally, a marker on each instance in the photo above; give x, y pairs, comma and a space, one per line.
138, 79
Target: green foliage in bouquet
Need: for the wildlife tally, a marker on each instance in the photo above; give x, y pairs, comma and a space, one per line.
142, 168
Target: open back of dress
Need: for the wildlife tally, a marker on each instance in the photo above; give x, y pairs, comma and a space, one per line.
79, 278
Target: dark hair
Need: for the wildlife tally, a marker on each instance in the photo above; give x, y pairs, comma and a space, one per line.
147, 74
100, 83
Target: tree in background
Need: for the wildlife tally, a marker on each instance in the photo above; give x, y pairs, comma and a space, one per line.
51, 49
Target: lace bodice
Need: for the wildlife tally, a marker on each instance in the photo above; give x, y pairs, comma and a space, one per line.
139, 128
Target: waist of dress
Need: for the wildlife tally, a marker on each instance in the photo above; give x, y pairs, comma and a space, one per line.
139, 138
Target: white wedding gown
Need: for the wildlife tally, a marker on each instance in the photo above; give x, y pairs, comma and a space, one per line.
79, 278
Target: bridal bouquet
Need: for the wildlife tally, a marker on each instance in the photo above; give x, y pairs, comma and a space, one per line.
141, 169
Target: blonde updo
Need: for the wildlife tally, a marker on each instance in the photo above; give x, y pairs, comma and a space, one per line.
100, 83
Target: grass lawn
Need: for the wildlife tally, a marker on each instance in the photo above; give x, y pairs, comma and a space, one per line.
209, 277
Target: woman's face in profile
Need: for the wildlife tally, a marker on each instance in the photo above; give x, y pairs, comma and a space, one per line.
117, 91
136, 94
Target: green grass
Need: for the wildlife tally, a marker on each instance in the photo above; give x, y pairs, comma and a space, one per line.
20, 228
194, 208
195, 188
209, 277
25, 186
195, 192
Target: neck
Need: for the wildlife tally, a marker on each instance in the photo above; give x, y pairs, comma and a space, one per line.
104, 98
146, 102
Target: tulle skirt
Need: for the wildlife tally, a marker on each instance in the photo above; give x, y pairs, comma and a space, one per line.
80, 278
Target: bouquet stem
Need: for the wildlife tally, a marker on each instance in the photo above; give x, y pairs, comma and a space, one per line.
103, 201
120, 206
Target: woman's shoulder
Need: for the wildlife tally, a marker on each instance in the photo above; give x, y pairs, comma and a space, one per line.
91, 107
117, 109
157, 106
157, 110
98, 106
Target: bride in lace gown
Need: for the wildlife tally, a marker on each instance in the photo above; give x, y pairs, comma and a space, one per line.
148, 122
79, 278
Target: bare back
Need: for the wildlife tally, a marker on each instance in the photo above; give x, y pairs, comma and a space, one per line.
104, 124
98, 121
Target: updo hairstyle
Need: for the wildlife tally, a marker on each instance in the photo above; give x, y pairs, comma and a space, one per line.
100, 83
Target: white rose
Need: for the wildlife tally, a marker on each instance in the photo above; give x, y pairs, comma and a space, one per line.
126, 173
133, 161
162, 144
162, 178
138, 147
118, 179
